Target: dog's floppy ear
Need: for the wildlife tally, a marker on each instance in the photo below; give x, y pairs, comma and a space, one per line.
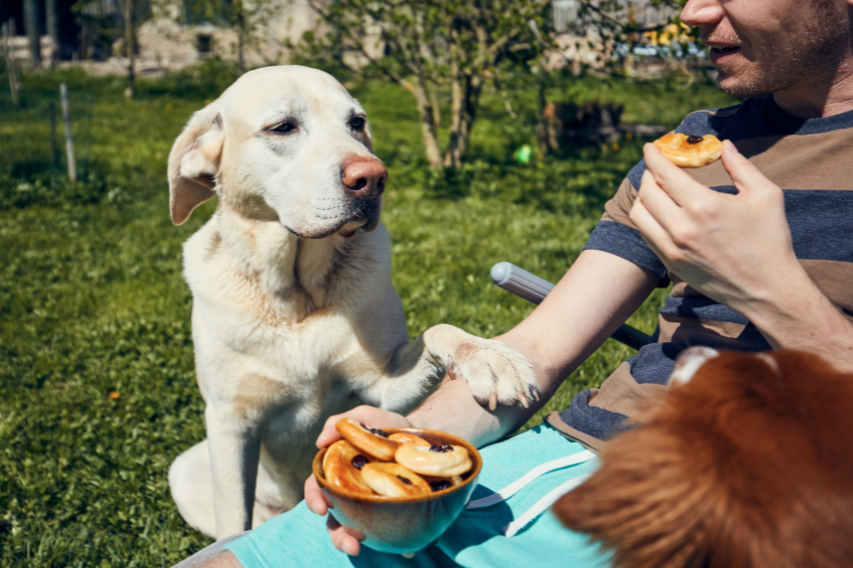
194, 162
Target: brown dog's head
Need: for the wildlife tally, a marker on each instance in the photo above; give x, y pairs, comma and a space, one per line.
748, 463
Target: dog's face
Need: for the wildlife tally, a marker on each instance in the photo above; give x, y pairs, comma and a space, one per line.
748, 463
286, 144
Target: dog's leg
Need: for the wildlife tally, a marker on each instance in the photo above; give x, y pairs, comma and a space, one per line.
494, 372
190, 484
234, 455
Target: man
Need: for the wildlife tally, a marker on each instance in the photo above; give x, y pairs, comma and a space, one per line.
753, 267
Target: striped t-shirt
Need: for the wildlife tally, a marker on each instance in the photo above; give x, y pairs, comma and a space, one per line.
812, 161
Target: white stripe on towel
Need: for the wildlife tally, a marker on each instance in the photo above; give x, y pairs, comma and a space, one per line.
511, 529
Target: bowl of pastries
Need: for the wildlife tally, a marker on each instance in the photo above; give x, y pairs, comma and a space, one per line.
402, 487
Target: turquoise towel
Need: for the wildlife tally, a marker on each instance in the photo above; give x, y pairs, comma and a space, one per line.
476, 539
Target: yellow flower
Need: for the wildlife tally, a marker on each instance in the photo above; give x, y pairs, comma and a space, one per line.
115, 395
615, 146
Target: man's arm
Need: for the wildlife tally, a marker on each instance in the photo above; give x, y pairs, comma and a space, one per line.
737, 250
598, 293
596, 296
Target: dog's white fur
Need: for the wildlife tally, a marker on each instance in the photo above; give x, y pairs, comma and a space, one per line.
294, 315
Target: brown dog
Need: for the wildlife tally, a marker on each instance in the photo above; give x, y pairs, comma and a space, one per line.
748, 463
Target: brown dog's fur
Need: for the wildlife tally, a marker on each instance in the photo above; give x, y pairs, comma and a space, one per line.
749, 464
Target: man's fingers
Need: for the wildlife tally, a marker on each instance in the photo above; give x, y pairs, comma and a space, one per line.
744, 174
345, 539
330, 434
674, 180
369, 415
316, 500
655, 235
657, 202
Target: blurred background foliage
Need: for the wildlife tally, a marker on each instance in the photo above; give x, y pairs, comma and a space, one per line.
97, 382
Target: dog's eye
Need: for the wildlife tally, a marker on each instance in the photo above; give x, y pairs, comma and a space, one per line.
358, 123
283, 128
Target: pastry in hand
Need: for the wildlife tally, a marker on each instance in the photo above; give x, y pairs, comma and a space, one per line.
690, 151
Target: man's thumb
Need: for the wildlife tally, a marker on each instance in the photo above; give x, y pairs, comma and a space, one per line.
744, 174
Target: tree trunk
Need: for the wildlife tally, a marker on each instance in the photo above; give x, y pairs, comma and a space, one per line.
32, 23
425, 112
130, 90
465, 91
434, 103
52, 10
242, 31
544, 138
240, 61
9, 31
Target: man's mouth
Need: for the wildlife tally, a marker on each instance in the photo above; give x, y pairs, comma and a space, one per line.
722, 52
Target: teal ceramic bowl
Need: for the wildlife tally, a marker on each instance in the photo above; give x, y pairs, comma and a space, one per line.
403, 525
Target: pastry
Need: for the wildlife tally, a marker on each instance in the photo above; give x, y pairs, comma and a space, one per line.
690, 151
373, 441
342, 467
403, 437
438, 460
394, 480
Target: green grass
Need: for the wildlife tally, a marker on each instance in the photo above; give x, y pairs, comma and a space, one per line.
92, 300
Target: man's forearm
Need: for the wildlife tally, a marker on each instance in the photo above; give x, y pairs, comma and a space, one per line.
453, 409
596, 295
798, 315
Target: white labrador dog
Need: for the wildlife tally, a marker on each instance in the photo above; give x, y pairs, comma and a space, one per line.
294, 315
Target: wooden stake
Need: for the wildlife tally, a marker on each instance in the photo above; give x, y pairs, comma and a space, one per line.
129, 39
8, 32
69, 143
54, 147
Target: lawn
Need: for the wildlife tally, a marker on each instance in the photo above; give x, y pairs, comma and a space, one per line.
97, 385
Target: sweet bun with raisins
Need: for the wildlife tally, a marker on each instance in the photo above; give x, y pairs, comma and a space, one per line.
690, 151
342, 465
373, 441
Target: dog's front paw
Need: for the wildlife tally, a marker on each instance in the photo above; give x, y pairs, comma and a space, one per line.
494, 372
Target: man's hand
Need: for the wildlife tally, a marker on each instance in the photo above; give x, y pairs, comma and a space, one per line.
344, 538
735, 249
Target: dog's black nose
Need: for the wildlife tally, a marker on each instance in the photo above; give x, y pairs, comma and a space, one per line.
364, 177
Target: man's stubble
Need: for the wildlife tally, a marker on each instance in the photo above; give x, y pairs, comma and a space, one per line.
808, 53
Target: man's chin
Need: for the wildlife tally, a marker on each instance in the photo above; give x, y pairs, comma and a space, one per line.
740, 85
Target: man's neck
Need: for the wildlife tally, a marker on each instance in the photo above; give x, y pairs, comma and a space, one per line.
820, 99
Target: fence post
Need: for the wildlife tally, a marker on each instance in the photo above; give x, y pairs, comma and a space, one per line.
54, 147
8, 32
69, 143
